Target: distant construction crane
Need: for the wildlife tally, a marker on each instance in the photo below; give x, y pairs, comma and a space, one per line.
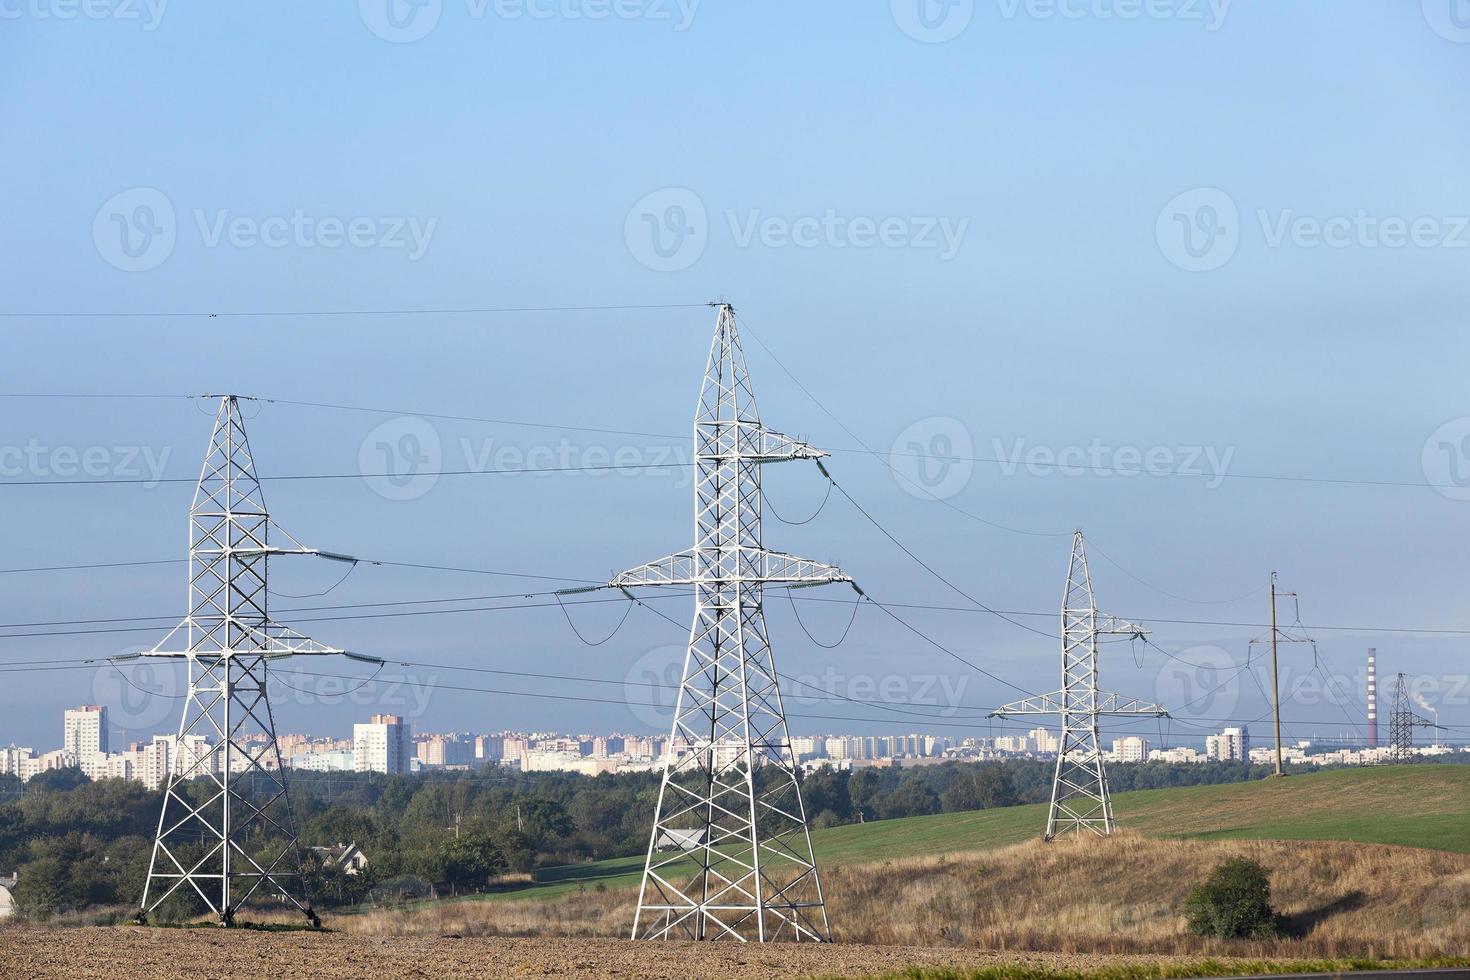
1080, 799
730, 854
1401, 724
211, 832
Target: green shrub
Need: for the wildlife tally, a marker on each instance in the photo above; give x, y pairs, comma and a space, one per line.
1234, 902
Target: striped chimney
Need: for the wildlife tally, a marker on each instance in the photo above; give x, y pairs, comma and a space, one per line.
1372, 698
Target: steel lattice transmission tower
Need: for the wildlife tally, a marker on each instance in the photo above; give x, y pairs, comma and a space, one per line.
224, 838
1401, 724
741, 865
1080, 799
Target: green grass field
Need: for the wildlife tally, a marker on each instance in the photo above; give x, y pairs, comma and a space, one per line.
1416, 806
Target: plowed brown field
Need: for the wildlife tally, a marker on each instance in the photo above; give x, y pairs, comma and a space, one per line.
165, 954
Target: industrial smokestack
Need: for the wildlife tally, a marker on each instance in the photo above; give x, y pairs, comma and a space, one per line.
1372, 698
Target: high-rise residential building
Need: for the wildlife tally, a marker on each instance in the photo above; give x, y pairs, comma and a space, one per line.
489, 749
1231, 745
643, 747
1045, 742
85, 731
439, 751
154, 760
806, 747
514, 747
1130, 748
384, 744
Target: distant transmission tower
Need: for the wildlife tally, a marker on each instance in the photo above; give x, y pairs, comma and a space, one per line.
219, 838
1080, 799
1401, 724
730, 855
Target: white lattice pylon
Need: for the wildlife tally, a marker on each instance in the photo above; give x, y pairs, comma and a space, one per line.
730, 854
1080, 799
222, 837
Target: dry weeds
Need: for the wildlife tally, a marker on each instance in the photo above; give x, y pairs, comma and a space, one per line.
1118, 896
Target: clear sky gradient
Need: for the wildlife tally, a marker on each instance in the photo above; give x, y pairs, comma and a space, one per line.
1162, 236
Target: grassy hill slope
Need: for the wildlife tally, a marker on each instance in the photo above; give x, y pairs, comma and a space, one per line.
1415, 806
1424, 806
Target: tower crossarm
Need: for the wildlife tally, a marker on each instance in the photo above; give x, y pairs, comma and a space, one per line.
274, 642
749, 442
1056, 703
255, 551
777, 566
740, 564
1113, 626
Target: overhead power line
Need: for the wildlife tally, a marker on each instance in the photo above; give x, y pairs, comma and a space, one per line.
863, 448
488, 471
296, 314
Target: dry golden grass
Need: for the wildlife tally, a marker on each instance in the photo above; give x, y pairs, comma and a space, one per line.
1121, 895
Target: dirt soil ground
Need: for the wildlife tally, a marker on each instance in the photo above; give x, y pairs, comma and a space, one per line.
166, 954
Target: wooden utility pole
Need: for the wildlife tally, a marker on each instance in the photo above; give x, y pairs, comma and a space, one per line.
1279, 635
1275, 677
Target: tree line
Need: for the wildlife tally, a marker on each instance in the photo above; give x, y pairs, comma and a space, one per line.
83, 846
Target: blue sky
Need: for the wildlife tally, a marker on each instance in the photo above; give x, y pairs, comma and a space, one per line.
1168, 232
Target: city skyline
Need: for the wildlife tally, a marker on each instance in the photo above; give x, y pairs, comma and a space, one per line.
389, 744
